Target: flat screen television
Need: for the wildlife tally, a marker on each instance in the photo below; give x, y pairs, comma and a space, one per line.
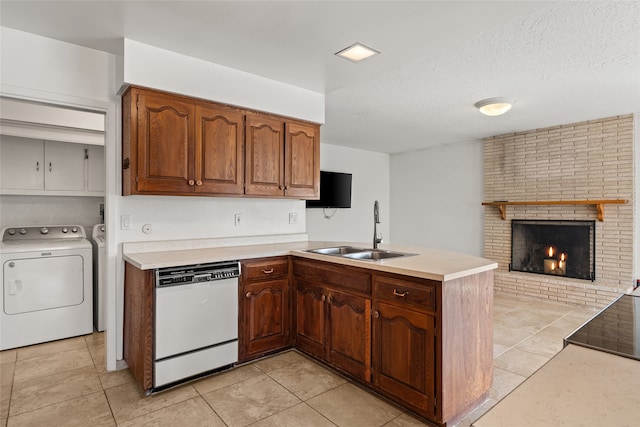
335, 191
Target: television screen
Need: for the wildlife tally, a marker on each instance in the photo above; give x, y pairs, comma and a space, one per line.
335, 191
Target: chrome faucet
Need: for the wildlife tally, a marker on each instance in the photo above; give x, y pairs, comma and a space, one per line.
377, 237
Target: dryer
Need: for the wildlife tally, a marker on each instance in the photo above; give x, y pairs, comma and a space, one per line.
46, 284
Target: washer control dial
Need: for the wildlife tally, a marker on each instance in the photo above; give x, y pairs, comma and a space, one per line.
44, 230
11, 232
65, 230
23, 231
74, 229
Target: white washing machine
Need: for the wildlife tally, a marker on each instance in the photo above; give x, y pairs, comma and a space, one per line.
46, 284
99, 266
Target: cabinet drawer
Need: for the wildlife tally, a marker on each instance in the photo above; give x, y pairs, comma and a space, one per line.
419, 294
267, 268
338, 276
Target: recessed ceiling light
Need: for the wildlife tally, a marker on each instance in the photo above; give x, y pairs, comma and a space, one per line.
494, 106
357, 52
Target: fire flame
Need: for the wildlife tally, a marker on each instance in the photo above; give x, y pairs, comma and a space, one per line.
550, 251
562, 256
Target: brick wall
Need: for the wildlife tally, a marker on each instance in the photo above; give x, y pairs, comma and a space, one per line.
580, 161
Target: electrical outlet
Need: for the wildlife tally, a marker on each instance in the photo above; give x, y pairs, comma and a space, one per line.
147, 229
236, 219
293, 218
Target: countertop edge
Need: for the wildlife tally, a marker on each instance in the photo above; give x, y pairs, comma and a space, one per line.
402, 266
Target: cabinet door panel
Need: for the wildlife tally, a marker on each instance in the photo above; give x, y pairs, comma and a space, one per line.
310, 318
264, 156
219, 151
302, 164
64, 166
95, 168
404, 355
21, 163
266, 317
349, 339
165, 144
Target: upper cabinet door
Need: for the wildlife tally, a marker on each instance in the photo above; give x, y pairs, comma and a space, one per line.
264, 156
219, 159
95, 168
165, 144
302, 161
21, 163
64, 166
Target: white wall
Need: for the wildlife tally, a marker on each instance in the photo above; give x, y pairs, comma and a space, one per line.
636, 153
370, 182
436, 197
50, 210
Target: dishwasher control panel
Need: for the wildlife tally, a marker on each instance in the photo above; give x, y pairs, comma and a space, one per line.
184, 275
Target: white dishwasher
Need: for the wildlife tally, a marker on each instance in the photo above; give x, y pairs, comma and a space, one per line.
196, 320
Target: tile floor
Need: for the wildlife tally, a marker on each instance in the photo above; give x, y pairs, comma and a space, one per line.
64, 383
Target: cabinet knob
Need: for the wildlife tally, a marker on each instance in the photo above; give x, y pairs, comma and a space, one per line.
281, 187
269, 271
37, 166
400, 294
286, 187
247, 295
191, 182
376, 314
198, 182
323, 298
50, 166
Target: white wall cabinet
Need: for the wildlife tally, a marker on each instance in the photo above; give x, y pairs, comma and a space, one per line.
36, 167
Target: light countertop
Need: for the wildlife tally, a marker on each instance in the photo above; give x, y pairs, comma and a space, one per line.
578, 387
427, 263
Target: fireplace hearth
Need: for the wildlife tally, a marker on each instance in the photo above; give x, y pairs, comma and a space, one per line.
555, 248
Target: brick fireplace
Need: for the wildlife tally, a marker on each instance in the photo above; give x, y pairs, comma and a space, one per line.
589, 160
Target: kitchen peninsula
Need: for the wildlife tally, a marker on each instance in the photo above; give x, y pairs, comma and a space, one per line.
359, 317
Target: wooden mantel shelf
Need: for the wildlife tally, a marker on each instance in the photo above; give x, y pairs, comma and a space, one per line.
599, 204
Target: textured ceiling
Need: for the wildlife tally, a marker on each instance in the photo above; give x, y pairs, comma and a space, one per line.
562, 61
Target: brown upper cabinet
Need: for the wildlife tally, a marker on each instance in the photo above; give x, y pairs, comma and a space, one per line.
175, 145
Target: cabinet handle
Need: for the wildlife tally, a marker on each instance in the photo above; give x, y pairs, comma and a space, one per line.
247, 295
376, 314
198, 182
37, 166
191, 182
268, 271
281, 187
400, 294
50, 167
286, 187
323, 298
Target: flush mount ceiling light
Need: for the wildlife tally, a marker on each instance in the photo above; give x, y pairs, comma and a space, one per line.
357, 52
494, 106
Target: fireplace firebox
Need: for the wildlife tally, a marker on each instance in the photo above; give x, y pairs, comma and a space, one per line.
555, 248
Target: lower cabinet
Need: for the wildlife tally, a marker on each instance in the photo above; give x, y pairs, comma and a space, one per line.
334, 325
265, 319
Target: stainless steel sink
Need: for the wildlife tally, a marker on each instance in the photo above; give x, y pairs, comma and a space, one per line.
375, 255
337, 250
358, 253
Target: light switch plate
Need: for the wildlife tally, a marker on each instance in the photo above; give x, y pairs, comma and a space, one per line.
125, 222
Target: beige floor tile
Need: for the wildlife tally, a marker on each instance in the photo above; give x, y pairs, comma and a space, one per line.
477, 413
507, 336
128, 400
99, 357
8, 356
45, 391
350, 406
546, 343
279, 361
115, 378
92, 410
54, 363
50, 348
95, 339
227, 378
249, 401
4, 410
569, 323
296, 416
406, 420
306, 379
520, 362
498, 349
6, 379
520, 322
503, 383
193, 413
